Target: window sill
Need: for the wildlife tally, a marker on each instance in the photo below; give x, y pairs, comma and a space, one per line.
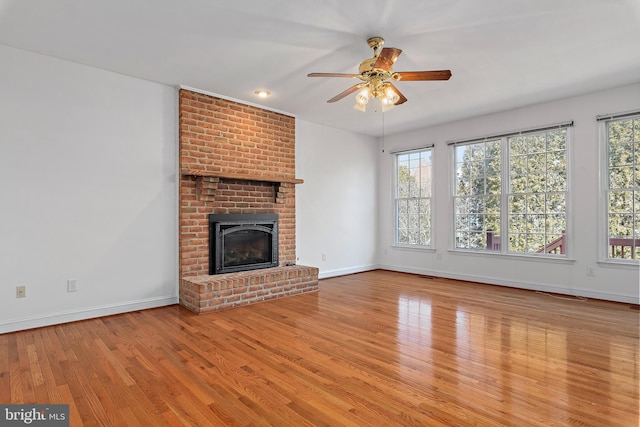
519, 257
623, 264
414, 248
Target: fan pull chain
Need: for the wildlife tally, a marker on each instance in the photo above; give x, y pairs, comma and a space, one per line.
383, 132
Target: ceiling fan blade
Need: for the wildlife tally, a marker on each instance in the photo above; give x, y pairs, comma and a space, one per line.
387, 57
409, 76
402, 99
341, 95
331, 75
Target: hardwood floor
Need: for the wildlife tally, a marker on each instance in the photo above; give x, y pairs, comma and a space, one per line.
371, 349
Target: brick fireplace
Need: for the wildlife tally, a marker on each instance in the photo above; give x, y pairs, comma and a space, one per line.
235, 159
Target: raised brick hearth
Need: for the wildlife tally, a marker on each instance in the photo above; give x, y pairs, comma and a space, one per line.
203, 294
235, 158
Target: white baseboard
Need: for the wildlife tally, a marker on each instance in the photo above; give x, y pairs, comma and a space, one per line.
345, 271
83, 314
632, 299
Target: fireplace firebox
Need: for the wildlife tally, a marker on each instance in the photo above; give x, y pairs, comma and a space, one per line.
239, 242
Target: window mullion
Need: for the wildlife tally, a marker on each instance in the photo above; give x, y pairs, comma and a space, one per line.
504, 194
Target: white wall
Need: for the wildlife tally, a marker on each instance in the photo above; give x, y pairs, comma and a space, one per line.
615, 282
87, 191
336, 207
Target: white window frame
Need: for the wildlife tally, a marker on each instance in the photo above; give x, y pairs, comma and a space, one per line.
396, 199
603, 217
504, 195
454, 195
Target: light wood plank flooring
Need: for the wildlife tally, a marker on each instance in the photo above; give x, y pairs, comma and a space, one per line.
370, 349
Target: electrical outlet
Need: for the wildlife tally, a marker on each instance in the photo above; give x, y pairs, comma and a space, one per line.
324, 257
591, 271
21, 291
72, 285
438, 256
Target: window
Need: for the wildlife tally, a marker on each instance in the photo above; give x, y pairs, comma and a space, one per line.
478, 195
413, 198
510, 193
538, 192
622, 188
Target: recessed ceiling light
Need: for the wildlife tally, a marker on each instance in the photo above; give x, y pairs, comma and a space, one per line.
262, 93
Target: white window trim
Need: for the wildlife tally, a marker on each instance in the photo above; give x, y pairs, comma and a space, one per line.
603, 202
568, 257
602, 213
514, 255
418, 248
394, 199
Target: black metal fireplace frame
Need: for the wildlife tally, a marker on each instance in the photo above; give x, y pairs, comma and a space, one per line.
267, 223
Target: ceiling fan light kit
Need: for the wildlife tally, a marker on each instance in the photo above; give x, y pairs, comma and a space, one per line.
376, 73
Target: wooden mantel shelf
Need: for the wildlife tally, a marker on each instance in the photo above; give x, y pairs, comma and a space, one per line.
248, 177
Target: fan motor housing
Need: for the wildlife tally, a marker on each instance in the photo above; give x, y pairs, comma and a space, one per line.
367, 64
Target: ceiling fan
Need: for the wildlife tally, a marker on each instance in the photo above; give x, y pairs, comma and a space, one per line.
376, 74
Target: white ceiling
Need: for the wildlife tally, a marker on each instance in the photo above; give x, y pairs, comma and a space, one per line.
502, 53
